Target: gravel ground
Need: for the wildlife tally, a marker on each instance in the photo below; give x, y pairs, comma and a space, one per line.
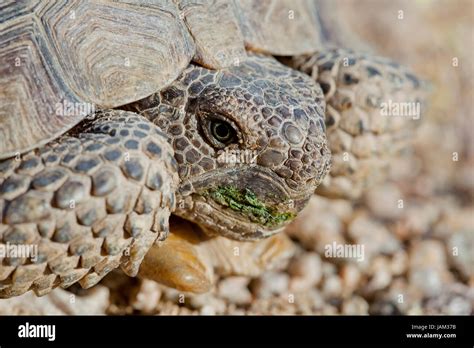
417, 229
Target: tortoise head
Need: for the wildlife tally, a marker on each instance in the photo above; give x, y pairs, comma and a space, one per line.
249, 141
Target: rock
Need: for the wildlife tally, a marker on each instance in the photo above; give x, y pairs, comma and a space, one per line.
404, 168
232, 309
58, 302
235, 290
380, 275
399, 263
147, 297
272, 306
461, 252
411, 299
230, 257
208, 303
329, 310
463, 177
269, 284
383, 200
418, 219
332, 287
329, 269
428, 267
309, 301
351, 277
314, 231
341, 207
373, 236
173, 295
453, 219
399, 298
302, 303
123, 291
355, 306
455, 299
171, 308
207, 310
305, 271
381, 307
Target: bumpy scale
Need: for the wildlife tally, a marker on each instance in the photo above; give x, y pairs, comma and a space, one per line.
90, 201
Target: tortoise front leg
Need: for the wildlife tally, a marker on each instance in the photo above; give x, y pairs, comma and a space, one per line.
85, 204
372, 107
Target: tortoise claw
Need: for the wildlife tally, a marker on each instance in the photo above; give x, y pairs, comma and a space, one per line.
176, 263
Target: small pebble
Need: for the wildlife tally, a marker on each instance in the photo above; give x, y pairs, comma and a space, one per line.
269, 284
428, 267
235, 290
332, 287
460, 250
305, 271
380, 275
373, 236
351, 277
399, 263
148, 296
208, 301
355, 306
383, 201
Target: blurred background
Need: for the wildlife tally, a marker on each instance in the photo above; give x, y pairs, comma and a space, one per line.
419, 259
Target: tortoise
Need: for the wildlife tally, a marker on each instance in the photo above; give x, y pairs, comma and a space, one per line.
116, 114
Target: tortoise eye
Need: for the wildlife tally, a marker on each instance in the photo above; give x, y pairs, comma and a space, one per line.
222, 131
219, 132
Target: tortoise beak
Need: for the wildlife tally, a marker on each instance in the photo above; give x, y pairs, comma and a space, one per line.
243, 203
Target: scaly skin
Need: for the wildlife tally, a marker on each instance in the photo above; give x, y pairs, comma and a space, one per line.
362, 140
276, 114
101, 196
278, 117
90, 201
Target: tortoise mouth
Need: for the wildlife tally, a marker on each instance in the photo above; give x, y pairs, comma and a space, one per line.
245, 203
248, 204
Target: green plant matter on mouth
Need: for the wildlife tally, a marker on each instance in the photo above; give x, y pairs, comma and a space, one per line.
247, 203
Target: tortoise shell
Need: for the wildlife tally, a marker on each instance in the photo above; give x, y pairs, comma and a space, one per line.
60, 61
